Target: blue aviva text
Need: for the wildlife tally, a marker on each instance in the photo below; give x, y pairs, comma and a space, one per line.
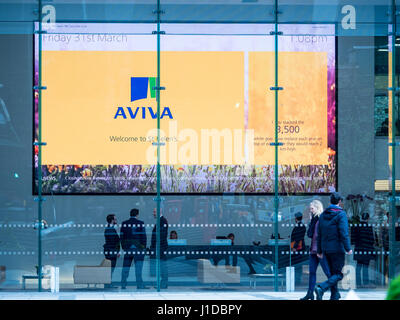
134, 113
139, 90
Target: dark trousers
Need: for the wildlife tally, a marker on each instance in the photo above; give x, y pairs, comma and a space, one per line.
163, 264
313, 265
138, 268
362, 269
298, 272
336, 263
164, 271
113, 260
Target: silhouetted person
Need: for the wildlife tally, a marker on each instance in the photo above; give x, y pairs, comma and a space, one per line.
333, 242
362, 237
231, 236
133, 241
163, 246
112, 244
384, 235
298, 233
297, 244
173, 235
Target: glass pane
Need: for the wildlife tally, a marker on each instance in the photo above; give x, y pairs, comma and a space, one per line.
217, 11
391, 227
330, 79
307, 158
365, 14
331, 110
18, 237
99, 74
223, 239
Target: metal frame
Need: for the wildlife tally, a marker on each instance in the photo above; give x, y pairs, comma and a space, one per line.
392, 143
275, 144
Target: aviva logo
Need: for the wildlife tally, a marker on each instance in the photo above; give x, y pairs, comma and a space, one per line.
139, 87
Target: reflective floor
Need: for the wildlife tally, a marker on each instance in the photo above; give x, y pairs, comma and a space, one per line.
183, 294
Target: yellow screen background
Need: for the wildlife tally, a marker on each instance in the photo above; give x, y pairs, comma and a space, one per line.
204, 90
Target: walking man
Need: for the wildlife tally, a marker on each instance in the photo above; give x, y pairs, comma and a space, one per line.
133, 241
332, 243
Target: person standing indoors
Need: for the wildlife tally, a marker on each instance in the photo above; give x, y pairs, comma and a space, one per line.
297, 245
362, 237
332, 243
112, 244
163, 246
231, 237
133, 241
316, 208
298, 233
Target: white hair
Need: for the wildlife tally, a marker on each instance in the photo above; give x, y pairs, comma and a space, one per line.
318, 206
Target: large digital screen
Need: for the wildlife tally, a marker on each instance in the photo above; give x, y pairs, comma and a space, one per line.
217, 112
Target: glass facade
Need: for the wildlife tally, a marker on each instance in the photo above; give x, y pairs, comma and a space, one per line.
226, 124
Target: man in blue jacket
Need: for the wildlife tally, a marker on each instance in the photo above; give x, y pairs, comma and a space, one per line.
133, 241
333, 242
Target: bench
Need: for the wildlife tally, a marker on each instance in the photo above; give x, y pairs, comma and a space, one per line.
34, 277
255, 276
